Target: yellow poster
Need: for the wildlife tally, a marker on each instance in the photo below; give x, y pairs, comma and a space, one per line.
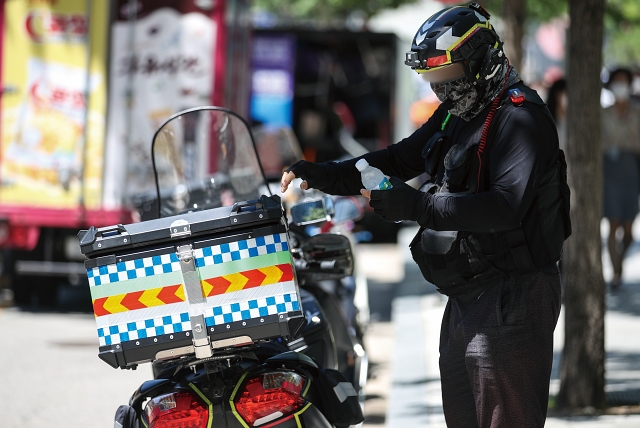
49, 72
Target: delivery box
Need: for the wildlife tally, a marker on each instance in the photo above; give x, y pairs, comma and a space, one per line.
194, 283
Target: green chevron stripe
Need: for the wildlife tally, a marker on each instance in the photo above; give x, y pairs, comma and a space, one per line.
242, 265
138, 284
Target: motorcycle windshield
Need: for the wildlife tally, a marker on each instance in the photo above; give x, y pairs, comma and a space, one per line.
205, 158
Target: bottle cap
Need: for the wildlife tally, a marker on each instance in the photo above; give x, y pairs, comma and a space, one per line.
362, 164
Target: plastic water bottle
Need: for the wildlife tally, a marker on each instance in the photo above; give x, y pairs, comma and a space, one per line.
372, 177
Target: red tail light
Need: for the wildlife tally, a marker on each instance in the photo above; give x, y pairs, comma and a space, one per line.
176, 410
269, 397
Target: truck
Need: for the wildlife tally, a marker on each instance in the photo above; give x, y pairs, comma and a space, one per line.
84, 84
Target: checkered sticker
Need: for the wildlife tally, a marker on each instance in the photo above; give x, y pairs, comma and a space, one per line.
251, 309
238, 250
126, 332
132, 269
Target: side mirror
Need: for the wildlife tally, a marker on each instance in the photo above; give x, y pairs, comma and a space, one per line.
347, 208
313, 211
326, 256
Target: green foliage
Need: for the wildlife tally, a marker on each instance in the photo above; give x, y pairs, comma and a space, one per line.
537, 10
622, 25
622, 18
622, 32
325, 9
544, 10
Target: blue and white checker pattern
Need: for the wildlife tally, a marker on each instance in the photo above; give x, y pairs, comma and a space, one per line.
251, 309
253, 247
132, 269
119, 333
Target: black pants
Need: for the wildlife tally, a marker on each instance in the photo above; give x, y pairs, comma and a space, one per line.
496, 352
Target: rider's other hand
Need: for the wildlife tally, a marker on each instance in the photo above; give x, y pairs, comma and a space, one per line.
287, 178
313, 175
397, 203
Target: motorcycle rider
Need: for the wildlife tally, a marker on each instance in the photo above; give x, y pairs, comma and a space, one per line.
493, 217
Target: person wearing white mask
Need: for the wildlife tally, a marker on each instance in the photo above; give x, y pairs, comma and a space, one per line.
621, 167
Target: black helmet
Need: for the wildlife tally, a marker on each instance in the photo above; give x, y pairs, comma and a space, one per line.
457, 34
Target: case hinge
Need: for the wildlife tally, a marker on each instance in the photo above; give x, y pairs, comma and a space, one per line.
180, 228
201, 341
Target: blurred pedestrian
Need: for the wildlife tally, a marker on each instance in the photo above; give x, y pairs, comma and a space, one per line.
557, 105
621, 167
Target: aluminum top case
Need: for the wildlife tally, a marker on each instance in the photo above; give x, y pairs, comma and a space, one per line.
192, 283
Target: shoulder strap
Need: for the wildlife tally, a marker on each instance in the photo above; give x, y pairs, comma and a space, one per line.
485, 132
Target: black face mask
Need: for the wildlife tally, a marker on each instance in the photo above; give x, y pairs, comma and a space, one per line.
459, 92
468, 100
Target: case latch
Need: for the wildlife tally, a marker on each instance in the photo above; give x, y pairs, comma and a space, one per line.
193, 294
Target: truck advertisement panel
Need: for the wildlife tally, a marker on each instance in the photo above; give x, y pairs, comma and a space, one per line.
162, 61
48, 159
272, 80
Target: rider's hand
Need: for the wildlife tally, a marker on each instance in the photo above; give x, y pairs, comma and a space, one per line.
397, 203
315, 175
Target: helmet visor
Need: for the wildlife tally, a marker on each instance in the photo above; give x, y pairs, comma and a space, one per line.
444, 74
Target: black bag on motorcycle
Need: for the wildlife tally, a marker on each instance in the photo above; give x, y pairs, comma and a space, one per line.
340, 403
126, 417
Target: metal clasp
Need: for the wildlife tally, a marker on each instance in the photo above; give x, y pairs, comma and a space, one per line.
180, 228
185, 253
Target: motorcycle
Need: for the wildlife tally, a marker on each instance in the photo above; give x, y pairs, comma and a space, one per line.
310, 374
344, 298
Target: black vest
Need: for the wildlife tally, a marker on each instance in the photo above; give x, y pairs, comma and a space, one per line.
458, 261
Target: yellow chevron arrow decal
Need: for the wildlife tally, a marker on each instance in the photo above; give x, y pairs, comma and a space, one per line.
150, 298
206, 287
112, 304
272, 275
180, 294
138, 300
237, 281
247, 279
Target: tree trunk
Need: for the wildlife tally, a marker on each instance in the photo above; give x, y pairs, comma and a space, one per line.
514, 14
582, 370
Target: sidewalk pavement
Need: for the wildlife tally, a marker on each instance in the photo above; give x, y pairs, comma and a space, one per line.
414, 399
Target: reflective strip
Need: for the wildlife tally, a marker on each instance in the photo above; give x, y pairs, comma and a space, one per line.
137, 284
233, 405
138, 300
248, 279
344, 390
132, 269
468, 34
428, 70
297, 414
234, 266
201, 395
446, 40
306, 388
436, 61
454, 45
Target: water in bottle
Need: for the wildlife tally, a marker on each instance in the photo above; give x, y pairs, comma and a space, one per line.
372, 177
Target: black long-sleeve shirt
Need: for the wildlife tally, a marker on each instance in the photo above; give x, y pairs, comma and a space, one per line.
522, 144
